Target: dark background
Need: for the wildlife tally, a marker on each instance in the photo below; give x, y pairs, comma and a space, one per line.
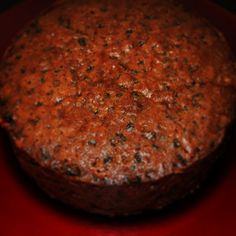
228, 4
4, 4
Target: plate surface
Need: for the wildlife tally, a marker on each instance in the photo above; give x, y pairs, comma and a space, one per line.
25, 210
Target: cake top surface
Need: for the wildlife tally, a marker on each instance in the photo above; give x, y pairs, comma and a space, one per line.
117, 91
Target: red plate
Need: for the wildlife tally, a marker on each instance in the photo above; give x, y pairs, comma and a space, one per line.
25, 210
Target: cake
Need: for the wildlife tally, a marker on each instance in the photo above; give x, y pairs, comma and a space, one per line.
117, 107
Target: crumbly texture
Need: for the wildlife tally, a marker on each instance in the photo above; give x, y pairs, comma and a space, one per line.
117, 106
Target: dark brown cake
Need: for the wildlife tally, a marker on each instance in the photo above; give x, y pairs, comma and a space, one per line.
116, 107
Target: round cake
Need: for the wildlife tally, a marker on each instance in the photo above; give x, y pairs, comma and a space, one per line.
116, 107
